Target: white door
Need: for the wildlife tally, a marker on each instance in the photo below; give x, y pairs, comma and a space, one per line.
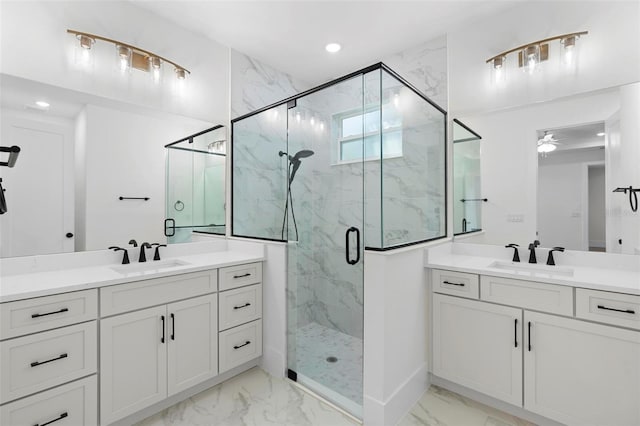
581, 373
133, 362
192, 342
478, 345
39, 188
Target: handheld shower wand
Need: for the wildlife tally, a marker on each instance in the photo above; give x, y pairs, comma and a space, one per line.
294, 165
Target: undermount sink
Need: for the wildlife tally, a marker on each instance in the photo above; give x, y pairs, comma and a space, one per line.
149, 267
532, 268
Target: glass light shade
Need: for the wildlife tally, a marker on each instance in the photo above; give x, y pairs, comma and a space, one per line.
123, 55
569, 52
155, 69
83, 55
531, 58
498, 70
546, 147
180, 74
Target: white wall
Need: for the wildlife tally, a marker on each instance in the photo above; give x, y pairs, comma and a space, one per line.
396, 331
34, 45
609, 55
124, 156
510, 159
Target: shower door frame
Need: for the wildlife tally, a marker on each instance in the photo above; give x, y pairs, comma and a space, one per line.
294, 98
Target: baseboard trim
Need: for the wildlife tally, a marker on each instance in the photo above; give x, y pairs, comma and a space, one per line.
273, 362
400, 402
179, 397
492, 402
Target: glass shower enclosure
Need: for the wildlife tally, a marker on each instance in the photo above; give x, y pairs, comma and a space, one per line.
195, 185
357, 163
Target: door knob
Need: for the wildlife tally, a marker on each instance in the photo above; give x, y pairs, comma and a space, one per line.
69, 235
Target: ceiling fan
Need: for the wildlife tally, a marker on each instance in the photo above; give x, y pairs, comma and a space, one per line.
547, 143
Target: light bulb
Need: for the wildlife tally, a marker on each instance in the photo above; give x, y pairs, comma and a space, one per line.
124, 58
155, 66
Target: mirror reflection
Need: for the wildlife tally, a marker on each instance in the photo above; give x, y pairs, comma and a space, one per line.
573, 161
90, 171
467, 194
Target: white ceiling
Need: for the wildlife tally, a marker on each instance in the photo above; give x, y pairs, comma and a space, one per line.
291, 35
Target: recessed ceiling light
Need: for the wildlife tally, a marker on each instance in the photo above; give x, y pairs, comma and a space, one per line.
333, 47
600, 134
43, 104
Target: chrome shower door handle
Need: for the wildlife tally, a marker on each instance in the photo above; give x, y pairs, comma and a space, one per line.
348, 246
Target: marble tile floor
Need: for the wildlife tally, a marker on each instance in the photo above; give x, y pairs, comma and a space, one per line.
254, 398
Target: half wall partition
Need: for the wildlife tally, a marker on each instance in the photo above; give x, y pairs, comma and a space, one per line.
357, 163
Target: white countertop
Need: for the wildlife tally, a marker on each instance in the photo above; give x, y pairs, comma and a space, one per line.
35, 284
617, 278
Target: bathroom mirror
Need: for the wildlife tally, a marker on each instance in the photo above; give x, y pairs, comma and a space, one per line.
467, 188
91, 171
559, 171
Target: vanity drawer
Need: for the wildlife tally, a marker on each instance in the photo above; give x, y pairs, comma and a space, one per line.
44, 313
121, 298
240, 344
455, 283
543, 297
73, 404
240, 275
611, 308
32, 363
240, 306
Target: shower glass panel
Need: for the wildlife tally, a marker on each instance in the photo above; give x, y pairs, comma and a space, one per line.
467, 194
195, 185
413, 165
260, 175
325, 206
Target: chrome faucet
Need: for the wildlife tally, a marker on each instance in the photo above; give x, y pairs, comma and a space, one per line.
143, 257
532, 251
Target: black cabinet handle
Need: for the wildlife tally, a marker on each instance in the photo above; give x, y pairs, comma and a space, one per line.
37, 363
450, 283
173, 327
50, 313
624, 311
162, 338
244, 344
515, 332
60, 417
242, 306
69, 235
242, 276
529, 333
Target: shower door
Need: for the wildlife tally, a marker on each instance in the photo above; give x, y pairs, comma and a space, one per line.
324, 227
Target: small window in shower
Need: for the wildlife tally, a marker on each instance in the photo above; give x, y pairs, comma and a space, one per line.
353, 132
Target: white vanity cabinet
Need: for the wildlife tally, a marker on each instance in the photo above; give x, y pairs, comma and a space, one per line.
581, 373
153, 353
48, 360
578, 366
478, 345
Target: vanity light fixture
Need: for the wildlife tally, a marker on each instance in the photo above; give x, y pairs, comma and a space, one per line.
530, 55
129, 56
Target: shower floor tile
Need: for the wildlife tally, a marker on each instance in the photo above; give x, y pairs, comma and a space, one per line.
315, 345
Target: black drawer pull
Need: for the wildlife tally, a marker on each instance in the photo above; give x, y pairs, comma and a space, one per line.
458, 284
50, 313
529, 326
624, 311
60, 417
515, 332
162, 319
37, 363
242, 306
173, 327
242, 276
244, 344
